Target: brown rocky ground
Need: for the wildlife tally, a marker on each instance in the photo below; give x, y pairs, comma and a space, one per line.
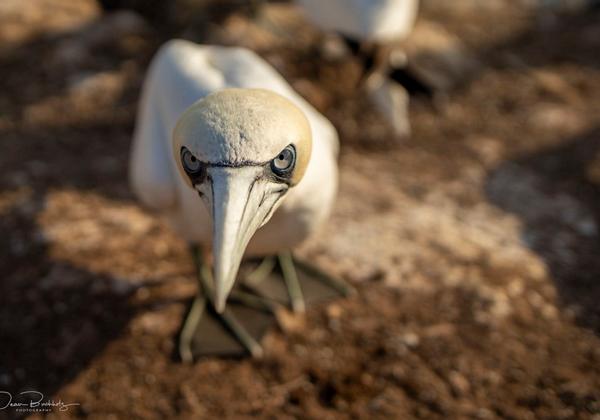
474, 245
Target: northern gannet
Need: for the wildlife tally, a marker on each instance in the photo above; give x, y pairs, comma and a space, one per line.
235, 159
368, 28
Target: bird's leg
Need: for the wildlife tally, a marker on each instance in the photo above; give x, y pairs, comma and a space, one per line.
338, 285
199, 305
277, 280
301, 282
286, 262
189, 327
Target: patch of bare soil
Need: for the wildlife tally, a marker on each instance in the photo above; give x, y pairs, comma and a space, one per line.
474, 244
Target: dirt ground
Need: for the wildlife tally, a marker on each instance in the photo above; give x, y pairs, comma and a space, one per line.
474, 244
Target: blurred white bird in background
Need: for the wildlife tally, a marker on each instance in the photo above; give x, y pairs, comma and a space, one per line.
238, 163
368, 28
364, 20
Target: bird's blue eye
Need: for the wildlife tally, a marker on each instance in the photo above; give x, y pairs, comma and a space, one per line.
283, 164
191, 165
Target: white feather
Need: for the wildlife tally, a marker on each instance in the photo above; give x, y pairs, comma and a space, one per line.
181, 74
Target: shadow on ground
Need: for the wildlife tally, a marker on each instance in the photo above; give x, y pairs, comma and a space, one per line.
555, 195
54, 318
551, 40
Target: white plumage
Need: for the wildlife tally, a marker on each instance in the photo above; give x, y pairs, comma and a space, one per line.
365, 20
180, 75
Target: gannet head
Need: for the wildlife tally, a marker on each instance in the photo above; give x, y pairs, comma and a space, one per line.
241, 150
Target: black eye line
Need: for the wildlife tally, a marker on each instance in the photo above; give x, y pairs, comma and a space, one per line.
269, 173
225, 164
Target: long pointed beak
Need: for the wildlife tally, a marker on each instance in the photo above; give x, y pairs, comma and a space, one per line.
236, 199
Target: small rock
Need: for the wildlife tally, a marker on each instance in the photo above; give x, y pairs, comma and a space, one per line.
515, 288
555, 84
367, 379
410, 340
192, 401
489, 150
484, 413
288, 321
549, 312
334, 311
440, 330
326, 353
537, 270
300, 350
460, 385
98, 85
501, 306
151, 322
556, 118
